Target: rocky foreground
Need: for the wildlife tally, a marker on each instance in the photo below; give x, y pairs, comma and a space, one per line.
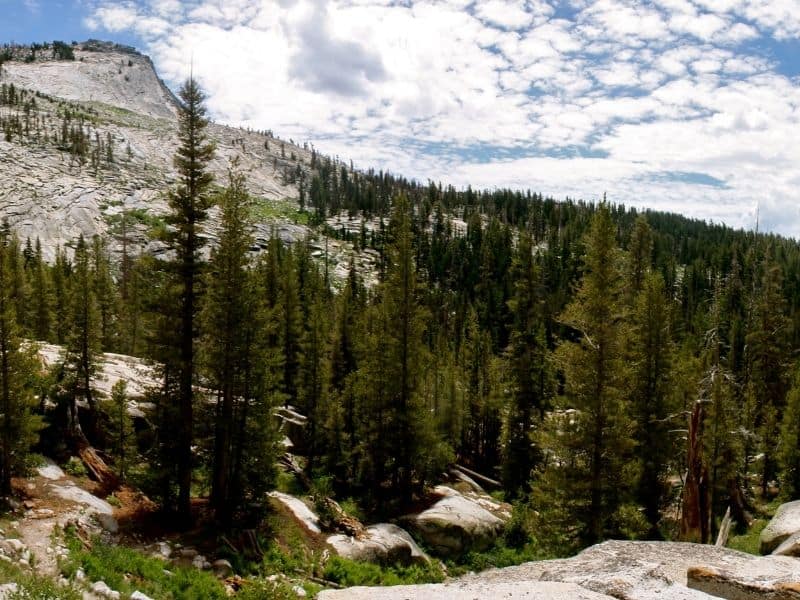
617, 569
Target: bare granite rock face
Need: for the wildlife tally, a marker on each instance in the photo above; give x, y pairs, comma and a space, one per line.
48, 193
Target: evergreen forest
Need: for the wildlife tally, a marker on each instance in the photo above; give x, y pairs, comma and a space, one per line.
609, 372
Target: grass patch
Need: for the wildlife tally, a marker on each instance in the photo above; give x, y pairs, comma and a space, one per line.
126, 570
749, 542
349, 573
33, 587
278, 210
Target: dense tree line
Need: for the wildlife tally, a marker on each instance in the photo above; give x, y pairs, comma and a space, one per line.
601, 363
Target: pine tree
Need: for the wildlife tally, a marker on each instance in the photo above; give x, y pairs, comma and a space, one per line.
121, 433
389, 403
18, 426
189, 203
767, 356
227, 319
41, 296
789, 449
597, 436
289, 304
61, 293
650, 358
82, 344
104, 293
481, 443
640, 252
531, 379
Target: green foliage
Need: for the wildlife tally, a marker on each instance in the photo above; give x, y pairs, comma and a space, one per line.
351, 573
31, 586
120, 430
264, 210
589, 441
42, 588
750, 541
75, 467
127, 570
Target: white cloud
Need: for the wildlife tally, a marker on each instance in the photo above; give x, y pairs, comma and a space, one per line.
660, 88
504, 13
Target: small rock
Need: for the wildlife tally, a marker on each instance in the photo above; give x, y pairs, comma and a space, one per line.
101, 589
164, 549
187, 553
80, 575
222, 568
108, 522
301, 593
200, 562
137, 595
12, 546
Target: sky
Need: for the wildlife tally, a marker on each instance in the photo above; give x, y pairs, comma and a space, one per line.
690, 106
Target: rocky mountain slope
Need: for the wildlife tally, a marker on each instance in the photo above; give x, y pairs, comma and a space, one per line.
84, 140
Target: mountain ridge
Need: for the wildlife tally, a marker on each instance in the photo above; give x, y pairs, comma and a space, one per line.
128, 122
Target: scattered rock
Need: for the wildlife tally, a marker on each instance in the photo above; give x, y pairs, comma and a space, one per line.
783, 525
201, 563
137, 595
7, 589
382, 543
299, 591
100, 588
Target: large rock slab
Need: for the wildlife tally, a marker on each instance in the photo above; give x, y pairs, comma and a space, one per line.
472, 590
629, 570
770, 578
382, 543
458, 523
783, 525
621, 570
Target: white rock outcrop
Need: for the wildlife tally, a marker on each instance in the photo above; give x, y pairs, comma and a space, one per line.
783, 525
381, 543
457, 523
